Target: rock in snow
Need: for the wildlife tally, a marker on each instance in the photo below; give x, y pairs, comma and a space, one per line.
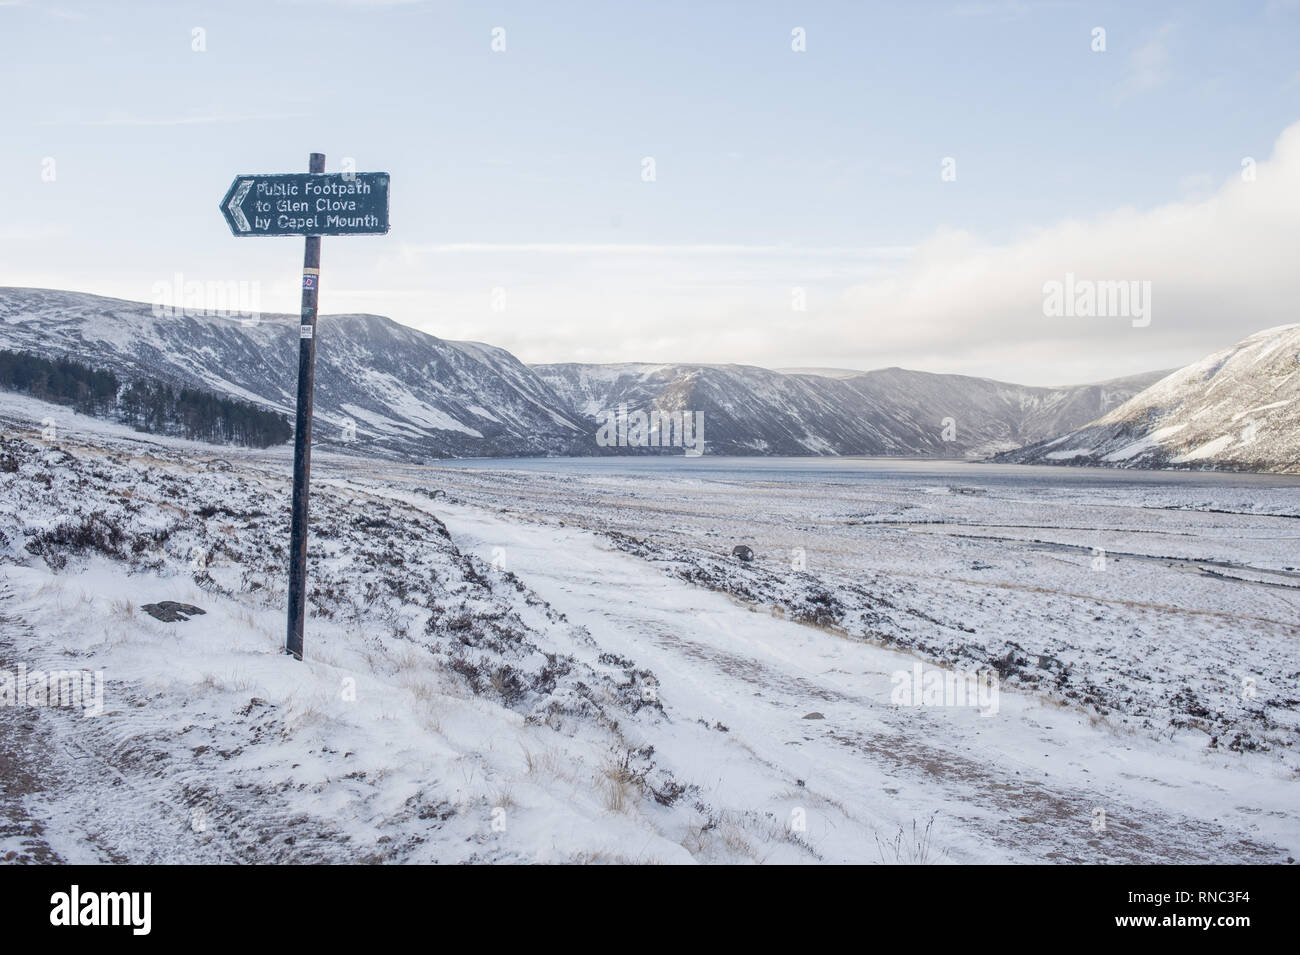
169, 611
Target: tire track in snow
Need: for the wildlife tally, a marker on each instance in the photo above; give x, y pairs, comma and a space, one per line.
1005, 809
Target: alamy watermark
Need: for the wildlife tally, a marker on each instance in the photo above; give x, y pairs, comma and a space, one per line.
937, 687
1087, 298
129, 909
73, 689
179, 298
658, 429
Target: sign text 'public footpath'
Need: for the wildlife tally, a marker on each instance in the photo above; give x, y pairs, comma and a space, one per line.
342, 203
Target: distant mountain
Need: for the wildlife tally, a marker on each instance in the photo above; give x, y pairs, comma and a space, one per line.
415, 396
1238, 409
749, 410
822, 372
409, 394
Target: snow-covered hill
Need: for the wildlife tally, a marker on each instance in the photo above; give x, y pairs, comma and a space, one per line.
415, 396
1238, 409
407, 393
891, 411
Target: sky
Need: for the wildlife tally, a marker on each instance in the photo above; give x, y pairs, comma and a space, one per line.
900, 191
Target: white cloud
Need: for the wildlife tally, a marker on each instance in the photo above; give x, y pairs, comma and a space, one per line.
14, 232
1148, 65
644, 248
1221, 263
194, 119
1220, 268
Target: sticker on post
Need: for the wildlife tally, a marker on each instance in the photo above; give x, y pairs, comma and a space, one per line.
304, 331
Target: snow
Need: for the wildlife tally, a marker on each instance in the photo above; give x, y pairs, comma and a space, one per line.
1145, 444
478, 664
1065, 455
397, 396
1207, 450
1192, 417
1256, 410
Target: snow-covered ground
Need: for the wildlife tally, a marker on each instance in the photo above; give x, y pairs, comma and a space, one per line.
569, 667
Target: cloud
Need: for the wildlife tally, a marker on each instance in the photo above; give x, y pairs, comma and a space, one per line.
1220, 268
194, 119
1148, 65
668, 249
1005, 9
31, 233
360, 3
1220, 262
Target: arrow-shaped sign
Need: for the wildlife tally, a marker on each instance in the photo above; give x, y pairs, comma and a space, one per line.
342, 203
239, 221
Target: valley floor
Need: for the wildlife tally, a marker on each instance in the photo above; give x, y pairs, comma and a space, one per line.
537, 666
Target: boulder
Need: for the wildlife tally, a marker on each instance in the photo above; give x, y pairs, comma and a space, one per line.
169, 611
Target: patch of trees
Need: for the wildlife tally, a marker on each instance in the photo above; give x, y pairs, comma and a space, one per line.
200, 415
61, 381
152, 406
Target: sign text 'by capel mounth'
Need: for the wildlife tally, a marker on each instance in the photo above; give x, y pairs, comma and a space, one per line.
308, 204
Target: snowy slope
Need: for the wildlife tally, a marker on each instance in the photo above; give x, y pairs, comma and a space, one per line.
439, 696
892, 411
492, 677
1238, 409
408, 393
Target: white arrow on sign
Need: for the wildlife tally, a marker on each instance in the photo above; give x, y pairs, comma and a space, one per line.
235, 203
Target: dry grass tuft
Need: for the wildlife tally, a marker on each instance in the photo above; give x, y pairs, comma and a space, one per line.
911, 848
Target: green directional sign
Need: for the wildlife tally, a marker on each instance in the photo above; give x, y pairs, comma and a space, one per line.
311, 204
342, 203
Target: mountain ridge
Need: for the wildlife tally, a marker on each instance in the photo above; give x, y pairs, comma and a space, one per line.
381, 387
889, 411
1189, 420
389, 389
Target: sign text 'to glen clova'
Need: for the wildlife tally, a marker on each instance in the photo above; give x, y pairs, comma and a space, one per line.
308, 204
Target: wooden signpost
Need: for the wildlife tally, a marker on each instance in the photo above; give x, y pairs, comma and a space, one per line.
312, 205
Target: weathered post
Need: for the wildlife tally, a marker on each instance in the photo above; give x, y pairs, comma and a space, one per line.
311, 205
302, 434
